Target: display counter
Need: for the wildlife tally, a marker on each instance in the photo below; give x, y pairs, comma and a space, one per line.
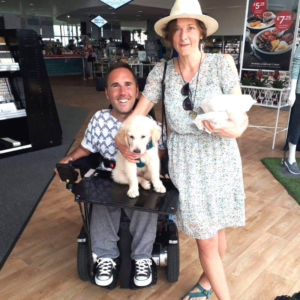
68, 64
138, 68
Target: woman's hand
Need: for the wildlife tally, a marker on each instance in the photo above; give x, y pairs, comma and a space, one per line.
230, 129
130, 156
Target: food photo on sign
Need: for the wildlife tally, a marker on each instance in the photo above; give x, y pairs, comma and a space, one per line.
269, 34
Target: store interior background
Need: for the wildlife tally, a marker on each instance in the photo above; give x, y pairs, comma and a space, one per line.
262, 260
134, 15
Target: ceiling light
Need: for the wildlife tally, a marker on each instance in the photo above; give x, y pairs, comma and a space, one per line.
68, 16
140, 11
3, 1
30, 4
138, 15
113, 13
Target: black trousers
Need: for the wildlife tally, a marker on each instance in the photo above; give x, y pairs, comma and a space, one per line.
294, 125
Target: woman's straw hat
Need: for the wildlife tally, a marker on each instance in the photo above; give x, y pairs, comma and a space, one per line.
187, 9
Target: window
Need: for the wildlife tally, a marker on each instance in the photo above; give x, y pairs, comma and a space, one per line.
64, 33
56, 29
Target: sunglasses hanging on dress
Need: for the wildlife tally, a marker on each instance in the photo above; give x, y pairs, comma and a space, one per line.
185, 91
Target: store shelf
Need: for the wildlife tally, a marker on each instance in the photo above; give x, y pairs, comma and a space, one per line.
15, 149
9, 67
27, 108
13, 114
213, 46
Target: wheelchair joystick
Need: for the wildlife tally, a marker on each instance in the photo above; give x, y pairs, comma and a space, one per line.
67, 174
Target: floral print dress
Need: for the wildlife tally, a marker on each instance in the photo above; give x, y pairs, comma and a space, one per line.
205, 168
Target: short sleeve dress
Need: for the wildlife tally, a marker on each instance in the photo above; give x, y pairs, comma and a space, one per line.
205, 168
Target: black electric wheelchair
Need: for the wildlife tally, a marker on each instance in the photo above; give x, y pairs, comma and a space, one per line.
97, 187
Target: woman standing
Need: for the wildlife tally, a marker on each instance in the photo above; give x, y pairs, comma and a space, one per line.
206, 168
89, 57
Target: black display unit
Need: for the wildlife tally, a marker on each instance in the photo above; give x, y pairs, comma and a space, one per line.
28, 115
224, 44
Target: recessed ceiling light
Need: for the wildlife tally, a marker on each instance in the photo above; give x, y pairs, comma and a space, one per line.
68, 16
30, 4
140, 11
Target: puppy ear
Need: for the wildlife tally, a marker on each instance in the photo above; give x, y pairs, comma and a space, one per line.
155, 133
122, 134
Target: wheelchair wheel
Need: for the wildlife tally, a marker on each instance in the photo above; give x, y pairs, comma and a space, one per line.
173, 263
83, 261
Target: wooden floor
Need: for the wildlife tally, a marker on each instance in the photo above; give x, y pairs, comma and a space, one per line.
262, 261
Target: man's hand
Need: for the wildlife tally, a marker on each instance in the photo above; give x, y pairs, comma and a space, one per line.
130, 156
65, 160
230, 129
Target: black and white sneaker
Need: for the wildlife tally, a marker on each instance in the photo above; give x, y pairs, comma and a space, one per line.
292, 168
143, 272
104, 274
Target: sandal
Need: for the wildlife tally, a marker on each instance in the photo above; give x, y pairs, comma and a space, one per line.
296, 296
203, 292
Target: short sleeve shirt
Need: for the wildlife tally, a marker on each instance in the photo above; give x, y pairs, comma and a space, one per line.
100, 134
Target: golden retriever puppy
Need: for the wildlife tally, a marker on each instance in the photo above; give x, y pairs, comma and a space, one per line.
140, 134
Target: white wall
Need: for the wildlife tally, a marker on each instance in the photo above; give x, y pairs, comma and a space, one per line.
231, 20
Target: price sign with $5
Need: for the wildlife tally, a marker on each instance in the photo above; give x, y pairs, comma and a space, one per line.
258, 7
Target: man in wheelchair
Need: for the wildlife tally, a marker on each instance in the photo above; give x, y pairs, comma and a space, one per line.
122, 91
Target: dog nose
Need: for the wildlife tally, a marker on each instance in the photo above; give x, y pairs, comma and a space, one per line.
137, 151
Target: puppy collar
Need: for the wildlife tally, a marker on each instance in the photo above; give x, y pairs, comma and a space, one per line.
140, 164
149, 145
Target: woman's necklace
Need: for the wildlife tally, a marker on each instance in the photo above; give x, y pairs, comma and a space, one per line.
192, 113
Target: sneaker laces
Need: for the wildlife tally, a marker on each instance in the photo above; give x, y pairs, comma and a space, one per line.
105, 266
142, 267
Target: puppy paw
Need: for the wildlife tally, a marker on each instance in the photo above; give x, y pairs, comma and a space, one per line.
160, 189
132, 193
146, 184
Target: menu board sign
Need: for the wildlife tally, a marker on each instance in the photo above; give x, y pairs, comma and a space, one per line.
47, 27
142, 55
270, 34
116, 3
12, 21
99, 21
150, 47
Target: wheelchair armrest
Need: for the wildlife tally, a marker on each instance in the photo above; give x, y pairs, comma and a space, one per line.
84, 164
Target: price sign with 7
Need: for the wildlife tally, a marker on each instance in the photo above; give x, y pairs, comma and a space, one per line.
284, 20
258, 7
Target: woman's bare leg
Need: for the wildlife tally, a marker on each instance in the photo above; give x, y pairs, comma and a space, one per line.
204, 281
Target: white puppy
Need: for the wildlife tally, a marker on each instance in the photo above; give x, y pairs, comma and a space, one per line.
140, 134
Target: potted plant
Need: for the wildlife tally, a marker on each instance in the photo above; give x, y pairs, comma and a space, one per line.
260, 82
277, 84
247, 79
